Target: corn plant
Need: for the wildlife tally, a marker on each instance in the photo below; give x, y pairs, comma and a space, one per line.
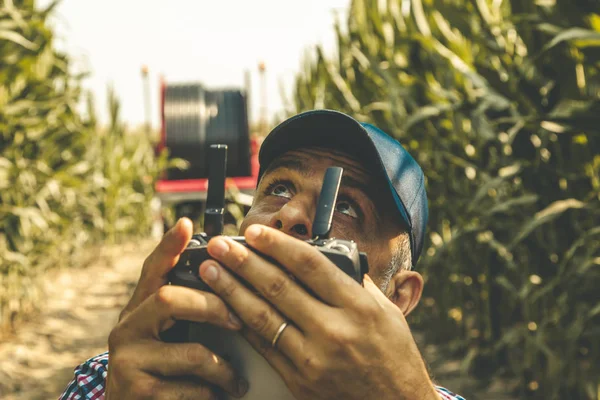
499, 102
65, 182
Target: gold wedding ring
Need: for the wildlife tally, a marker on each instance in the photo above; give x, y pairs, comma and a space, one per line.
278, 334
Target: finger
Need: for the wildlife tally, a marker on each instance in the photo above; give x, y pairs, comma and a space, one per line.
158, 264
275, 358
255, 312
189, 359
274, 284
141, 386
307, 264
170, 303
182, 390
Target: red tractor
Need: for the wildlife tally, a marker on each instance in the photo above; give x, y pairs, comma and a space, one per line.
193, 118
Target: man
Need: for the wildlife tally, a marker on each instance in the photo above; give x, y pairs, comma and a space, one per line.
349, 341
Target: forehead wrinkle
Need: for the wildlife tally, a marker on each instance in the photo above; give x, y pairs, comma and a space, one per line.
345, 160
295, 165
348, 181
338, 158
299, 161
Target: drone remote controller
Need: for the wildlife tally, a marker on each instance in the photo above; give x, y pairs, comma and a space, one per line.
230, 345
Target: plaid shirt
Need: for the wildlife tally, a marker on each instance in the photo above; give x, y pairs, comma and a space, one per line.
90, 378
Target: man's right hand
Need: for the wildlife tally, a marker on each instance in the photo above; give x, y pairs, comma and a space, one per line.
142, 366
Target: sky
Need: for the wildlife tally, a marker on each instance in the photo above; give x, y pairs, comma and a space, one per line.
212, 42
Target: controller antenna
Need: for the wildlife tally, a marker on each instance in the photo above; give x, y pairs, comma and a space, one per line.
326, 203
215, 199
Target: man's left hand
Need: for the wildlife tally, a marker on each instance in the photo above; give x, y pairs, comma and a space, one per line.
348, 342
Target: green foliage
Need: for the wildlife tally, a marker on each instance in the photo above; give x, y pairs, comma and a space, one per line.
64, 182
499, 102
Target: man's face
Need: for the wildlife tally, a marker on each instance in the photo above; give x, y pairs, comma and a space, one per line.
287, 195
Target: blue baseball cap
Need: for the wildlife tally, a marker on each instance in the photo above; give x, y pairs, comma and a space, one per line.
377, 150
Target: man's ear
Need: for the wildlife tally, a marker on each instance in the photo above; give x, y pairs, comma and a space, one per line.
406, 288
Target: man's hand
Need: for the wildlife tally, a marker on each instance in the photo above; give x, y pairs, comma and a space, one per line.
351, 342
141, 365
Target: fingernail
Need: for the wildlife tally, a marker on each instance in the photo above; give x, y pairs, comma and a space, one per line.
235, 321
220, 247
253, 232
210, 273
242, 386
173, 228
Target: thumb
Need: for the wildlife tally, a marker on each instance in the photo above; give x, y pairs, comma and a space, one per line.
166, 254
158, 264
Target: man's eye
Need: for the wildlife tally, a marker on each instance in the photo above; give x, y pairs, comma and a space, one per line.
345, 207
281, 191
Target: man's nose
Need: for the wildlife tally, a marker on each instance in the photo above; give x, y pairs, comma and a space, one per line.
294, 218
